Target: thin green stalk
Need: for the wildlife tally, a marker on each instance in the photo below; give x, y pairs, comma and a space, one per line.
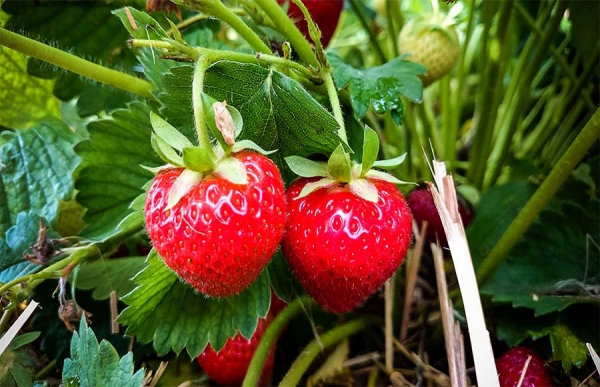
523, 94
270, 336
561, 136
198, 18
47, 370
75, 64
492, 91
316, 347
335, 104
448, 147
542, 196
290, 31
364, 21
217, 9
556, 55
6, 318
199, 116
462, 72
396, 22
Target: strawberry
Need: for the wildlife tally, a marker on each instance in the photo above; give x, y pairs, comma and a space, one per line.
341, 246
511, 365
423, 209
219, 235
433, 44
229, 366
325, 14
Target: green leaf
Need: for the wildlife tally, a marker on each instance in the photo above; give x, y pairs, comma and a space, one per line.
283, 281
98, 365
181, 186
305, 167
364, 189
370, 150
381, 86
338, 166
233, 170
168, 312
24, 100
168, 133
17, 368
391, 163
249, 144
565, 345
110, 176
38, 169
23, 339
102, 276
277, 112
198, 159
553, 264
165, 152
379, 175
145, 27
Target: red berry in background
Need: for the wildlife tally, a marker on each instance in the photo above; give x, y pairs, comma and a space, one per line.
220, 235
342, 247
510, 368
325, 14
423, 209
229, 366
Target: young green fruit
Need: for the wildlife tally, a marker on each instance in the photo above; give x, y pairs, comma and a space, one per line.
341, 246
433, 45
512, 365
220, 235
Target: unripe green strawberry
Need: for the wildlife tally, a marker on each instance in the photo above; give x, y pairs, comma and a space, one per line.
220, 235
510, 368
433, 45
229, 366
342, 247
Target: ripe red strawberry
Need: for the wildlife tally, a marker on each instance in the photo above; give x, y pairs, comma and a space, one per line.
423, 209
431, 43
325, 14
510, 368
220, 235
229, 366
342, 247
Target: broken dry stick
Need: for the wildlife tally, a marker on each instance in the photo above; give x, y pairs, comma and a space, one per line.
444, 197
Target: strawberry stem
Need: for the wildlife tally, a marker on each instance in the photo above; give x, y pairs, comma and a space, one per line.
569, 160
217, 9
293, 309
75, 64
365, 22
335, 103
199, 117
316, 347
289, 30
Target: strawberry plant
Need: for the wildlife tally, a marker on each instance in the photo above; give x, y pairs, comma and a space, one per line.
201, 192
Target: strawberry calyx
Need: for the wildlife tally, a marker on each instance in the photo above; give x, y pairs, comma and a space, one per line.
225, 123
340, 169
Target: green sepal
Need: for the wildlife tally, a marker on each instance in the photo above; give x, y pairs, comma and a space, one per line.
165, 152
315, 185
249, 144
391, 163
155, 170
209, 112
168, 133
305, 167
379, 175
182, 185
364, 189
233, 170
370, 150
339, 166
197, 159
176, 33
